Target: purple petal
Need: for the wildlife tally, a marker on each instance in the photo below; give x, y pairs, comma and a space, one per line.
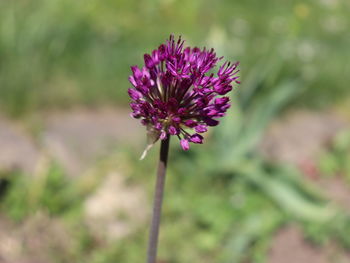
135, 115
185, 144
155, 56
163, 135
222, 88
211, 122
212, 112
137, 72
201, 128
181, 111
144, 122
190, 123
158, 126
196, 138
176, 119
134, 94
225, 107
133, 81
173, 131
146, 75
162, 52
221, 101
148, 61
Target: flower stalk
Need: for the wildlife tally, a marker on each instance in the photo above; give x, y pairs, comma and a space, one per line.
177, 93
158, 200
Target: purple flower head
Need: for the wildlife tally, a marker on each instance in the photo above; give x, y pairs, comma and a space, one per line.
174, 93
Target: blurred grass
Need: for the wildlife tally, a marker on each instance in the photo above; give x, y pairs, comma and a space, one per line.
336, 160
60, 53
223, 216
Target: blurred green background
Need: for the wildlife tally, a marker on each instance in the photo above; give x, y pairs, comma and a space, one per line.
273, 179
59, 53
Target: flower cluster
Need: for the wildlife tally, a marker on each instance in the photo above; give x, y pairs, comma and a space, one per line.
174, 92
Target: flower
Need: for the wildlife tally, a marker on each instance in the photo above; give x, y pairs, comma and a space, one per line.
174, 92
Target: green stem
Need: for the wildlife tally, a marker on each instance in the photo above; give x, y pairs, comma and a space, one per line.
158, 200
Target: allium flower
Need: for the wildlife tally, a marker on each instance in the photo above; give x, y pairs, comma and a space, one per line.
175, 93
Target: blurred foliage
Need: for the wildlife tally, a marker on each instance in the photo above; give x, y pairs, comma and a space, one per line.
216, 209
58, 53
336, 160
236, 161
50, 191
